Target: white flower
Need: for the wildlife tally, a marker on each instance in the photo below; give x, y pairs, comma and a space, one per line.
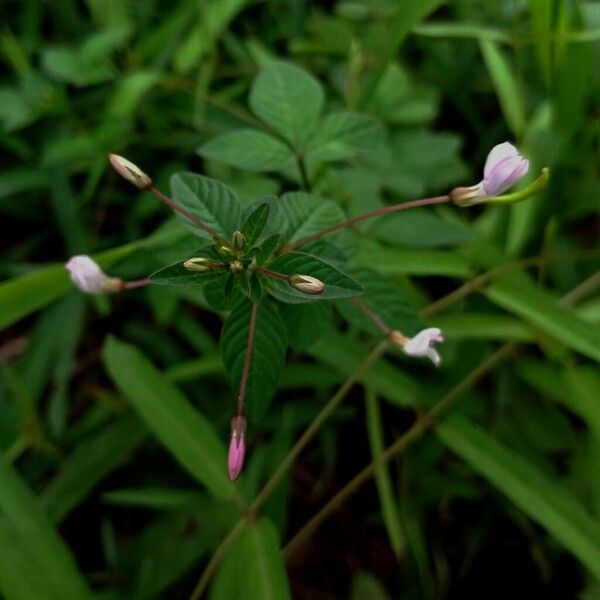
89, 277
422, 344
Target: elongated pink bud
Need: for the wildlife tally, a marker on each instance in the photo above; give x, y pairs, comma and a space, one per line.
237, 447
129, 171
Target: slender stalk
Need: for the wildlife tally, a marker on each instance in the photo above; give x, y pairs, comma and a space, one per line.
370, 215
585, 288
248, 359
424, 422
216, 558
135, 283
476, 283
285, 465
316, 424
375, 318
182, 211
273, 274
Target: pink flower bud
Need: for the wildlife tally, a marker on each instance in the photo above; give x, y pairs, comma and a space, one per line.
129, 171
422, 344
89, 277
503, 168
307, 284
237, 447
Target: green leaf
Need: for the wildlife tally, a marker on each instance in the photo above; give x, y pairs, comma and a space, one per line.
521, 297
16, 581
385, 298
223, 292
267, 248
387, 500
344, 134
255, 223
420, 228
306, 214
184, 432
506, 85
177, 274
264, 572
157, 498
94, 458
542, 499
23, 519
288, 99
249, 149
209, 200
267, 356
337, 283
252, 287
305, 323
365, 586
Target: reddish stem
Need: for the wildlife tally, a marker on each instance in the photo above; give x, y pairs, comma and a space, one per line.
379, 322
273, 274
369, 215
136, 283
248, 359
182, 211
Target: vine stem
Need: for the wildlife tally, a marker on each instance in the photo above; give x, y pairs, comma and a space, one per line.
247, 359
422, 424
182, 211
284, 466
370, 215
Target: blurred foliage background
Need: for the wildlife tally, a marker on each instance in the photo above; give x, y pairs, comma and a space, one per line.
98, 494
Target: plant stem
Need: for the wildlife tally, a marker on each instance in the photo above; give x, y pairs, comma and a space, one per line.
370, 215
248, 359
312, 429
422, 423
377, 320
215, 559
273, 274
285, 465
182, 211
135, 283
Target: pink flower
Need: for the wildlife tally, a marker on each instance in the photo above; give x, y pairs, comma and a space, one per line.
422, 344
237, 447
89, 277
504, 166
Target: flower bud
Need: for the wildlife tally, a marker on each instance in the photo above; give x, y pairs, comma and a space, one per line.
236, 266
307, 284
422, 344
129, 171
237, 447
238, 240
198, 264
87, 275
504, 166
